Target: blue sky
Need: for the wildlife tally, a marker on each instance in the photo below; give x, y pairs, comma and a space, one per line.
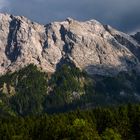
121, 14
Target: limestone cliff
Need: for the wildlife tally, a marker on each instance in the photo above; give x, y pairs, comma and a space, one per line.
91, 46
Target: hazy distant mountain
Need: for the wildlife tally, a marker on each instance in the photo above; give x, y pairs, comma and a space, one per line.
96, 48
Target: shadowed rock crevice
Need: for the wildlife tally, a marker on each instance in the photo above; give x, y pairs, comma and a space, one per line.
68, 39
134, 49
12, 50
111, 70
47, 28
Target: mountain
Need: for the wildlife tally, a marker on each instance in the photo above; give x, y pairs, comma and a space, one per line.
65, 65
90, 45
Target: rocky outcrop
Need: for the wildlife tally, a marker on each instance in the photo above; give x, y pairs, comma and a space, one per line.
91, 46
137, 36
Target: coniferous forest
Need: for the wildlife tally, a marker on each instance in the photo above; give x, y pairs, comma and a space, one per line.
120, 123
69, 105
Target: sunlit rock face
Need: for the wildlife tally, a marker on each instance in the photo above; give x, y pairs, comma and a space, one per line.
91, 46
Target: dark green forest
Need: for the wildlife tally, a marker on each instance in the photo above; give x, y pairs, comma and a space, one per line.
119, 123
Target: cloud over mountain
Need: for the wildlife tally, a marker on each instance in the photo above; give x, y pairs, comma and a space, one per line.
122, 14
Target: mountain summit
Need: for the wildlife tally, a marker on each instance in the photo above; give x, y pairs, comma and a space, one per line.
91, 46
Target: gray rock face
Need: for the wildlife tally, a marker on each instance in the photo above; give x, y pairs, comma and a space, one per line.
91, 46
137, 36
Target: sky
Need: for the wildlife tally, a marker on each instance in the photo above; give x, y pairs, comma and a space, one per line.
123, 15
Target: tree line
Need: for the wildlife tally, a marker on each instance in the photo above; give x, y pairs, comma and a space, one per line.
119, 123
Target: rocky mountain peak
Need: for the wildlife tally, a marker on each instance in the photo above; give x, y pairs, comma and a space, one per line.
90, 45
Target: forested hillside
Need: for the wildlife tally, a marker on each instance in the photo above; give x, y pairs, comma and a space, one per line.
121, 123
30, 91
